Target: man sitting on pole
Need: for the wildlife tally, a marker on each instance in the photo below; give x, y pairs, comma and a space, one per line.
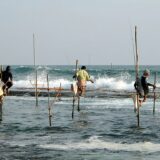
142, 86
6, 78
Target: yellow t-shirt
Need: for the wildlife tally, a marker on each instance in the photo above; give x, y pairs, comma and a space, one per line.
82, 75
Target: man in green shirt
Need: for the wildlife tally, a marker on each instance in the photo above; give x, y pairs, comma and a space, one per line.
82, 77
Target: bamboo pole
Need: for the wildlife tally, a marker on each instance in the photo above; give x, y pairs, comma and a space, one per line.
154, 93
1, 103
1, 98
137, 76
74, 96
78, 103
59, 94
34, 57
36, 90
73, 107
49, 106
1, 69
34, 51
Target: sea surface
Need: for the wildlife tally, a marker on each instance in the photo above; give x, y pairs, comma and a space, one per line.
105, 128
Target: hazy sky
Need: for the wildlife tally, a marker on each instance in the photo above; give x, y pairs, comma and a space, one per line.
93, 31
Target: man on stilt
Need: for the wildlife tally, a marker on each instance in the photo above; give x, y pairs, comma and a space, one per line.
6, 78
142, 86
82, 77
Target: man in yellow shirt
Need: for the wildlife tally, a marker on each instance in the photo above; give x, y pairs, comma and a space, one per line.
82, 76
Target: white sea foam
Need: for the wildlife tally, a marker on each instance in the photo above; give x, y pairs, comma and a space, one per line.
42, 83
107, 83
113, 83
96, 143
103, 82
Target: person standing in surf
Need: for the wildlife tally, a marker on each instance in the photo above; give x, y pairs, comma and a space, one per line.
142, 86
6, 78
82, 77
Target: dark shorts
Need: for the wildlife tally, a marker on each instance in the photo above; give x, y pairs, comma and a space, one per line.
8, 85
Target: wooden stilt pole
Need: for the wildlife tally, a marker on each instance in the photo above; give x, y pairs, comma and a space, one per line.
74, 96
137, 76
59, 94
1, 98
1, 103
78, 103
34, 55
73, 107
1, 69
154, 93
36, 90
49, 106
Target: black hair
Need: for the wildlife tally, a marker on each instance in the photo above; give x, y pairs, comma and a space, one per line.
83, 67
8, 68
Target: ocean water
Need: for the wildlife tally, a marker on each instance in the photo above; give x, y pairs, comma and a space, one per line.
115, 77
105, 128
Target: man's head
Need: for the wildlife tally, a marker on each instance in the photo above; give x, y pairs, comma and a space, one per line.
146, 73
8, 68
83, 67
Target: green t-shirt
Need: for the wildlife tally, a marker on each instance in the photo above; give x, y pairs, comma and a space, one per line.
83, 75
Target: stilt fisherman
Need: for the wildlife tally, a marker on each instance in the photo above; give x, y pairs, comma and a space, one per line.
142, 86
7, 79
82, 77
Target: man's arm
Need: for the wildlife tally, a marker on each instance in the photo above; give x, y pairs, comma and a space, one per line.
91, 81
152, 85
89, 78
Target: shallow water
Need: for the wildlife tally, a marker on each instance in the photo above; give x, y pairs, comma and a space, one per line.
105, 128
